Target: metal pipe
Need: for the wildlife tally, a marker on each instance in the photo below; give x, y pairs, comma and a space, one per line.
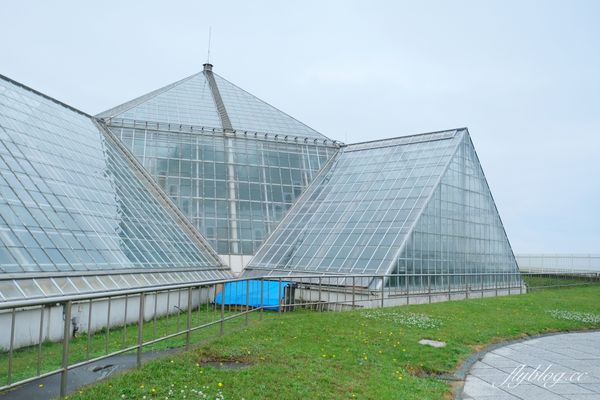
382, 290
89, 330
140, 338
107, 326
189, 319
155, 314
262, 298
40, 340
280, 296
222, 329
353, 292
429, 287
65, 348
320, 293
11, 346
247, 299
125, 322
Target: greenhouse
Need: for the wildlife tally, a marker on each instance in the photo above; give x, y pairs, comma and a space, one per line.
200, 180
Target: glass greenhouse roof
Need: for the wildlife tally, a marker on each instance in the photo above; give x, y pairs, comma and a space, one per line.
187, 102
359, 216
73, 199
191, 102
233, 189
249, 113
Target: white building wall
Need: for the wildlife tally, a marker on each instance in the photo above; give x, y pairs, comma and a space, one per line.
27, 320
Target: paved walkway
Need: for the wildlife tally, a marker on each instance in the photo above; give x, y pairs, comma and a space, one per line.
565, 366
49, 387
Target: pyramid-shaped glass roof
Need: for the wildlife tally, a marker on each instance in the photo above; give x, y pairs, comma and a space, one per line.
186, 102
72, 198
358, 216
210, 101
248, 112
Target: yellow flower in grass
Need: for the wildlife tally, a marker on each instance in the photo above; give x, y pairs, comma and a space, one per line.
220, 384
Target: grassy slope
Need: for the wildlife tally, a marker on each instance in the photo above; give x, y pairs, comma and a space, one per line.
25, 359
345, 355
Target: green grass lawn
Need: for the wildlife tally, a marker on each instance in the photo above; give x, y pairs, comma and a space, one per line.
367, 354
81, 348
546, 281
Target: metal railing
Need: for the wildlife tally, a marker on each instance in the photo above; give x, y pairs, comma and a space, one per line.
556, 263
84, 329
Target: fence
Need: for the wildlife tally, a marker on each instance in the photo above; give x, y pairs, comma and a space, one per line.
554, 263
54, 336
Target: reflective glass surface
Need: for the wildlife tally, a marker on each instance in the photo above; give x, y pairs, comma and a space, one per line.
460, 231
70, 198
187, 102
247, 112
28, 288
354, 218
190, 102
234, 189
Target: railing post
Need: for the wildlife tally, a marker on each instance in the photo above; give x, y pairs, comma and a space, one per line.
140, 338
262, 298
481, 277
124, 339
353, 291
247, 300
155, 314
319, 302
520, 285
11, 345
189, 319
496, 283
429, 286
65, 349
41, 339
89, 330
279, 297
222, 329
382, 288
107, 336
406, 284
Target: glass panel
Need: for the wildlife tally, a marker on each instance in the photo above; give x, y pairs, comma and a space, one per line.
460, 231
187, 102
29, 287
48, 286
76, 201
10, 291
355, 218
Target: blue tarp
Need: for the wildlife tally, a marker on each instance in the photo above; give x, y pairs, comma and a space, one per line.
235, 293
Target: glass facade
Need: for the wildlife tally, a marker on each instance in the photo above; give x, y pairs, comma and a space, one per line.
71, 199
232, 163
187, 102
233, 189
417, 204
248, 113
158, 188
460, 231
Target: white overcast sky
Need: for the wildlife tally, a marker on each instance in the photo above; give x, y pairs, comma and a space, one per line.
523, 76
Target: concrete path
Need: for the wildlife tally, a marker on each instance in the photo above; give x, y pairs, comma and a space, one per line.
556, 367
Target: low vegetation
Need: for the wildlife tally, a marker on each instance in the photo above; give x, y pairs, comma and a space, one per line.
366, 354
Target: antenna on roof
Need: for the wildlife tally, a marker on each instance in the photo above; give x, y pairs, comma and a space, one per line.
208, 55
